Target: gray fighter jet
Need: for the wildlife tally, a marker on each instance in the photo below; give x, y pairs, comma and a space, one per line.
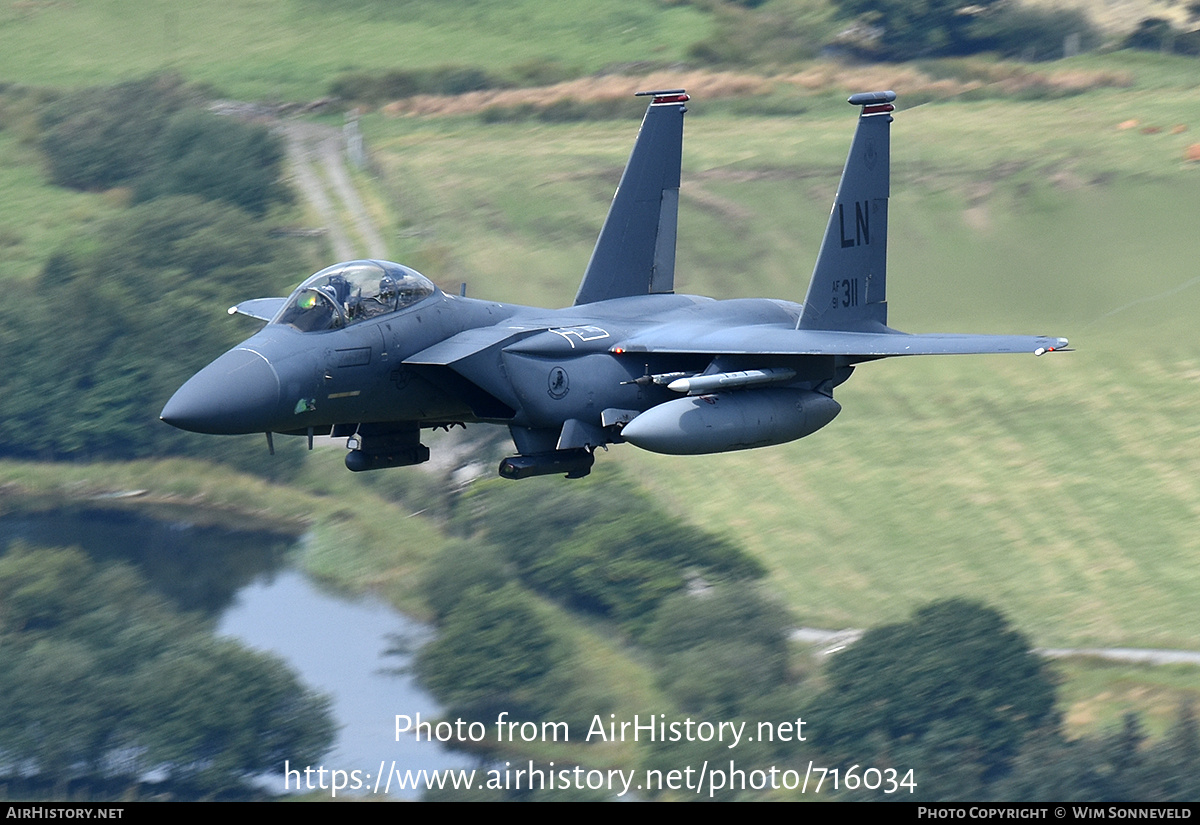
372, 351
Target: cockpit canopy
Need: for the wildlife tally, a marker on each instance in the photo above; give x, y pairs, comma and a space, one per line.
348, 293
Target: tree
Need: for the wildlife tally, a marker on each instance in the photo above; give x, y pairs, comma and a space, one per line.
217, 158
120, 318
907, 29
1050, 768
730, 612
1152, 34
494, 652
956, 681
916, 28
618, 569
721, 649
100, 679
1172, 772
1113, 767
104, 136
153, 135
456, 570
217, 711
602, 549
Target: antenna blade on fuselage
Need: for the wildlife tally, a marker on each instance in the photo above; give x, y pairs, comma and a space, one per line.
848, 290
635, 253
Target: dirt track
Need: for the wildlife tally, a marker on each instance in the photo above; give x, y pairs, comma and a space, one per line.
318, 162
832, 641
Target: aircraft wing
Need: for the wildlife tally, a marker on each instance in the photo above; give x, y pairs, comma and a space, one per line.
774, 340
470, 342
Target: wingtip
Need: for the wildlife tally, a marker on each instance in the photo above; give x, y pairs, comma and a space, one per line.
1059, 345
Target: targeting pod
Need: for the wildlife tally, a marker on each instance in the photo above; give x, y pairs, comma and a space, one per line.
573, 463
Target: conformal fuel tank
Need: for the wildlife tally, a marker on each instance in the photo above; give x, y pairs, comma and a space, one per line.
727, 421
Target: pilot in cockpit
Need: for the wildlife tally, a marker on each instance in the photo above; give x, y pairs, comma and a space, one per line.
347, 293
388, 292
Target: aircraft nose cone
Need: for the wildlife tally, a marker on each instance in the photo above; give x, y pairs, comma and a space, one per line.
237, 393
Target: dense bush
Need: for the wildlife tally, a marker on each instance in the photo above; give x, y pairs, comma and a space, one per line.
903, 30
720, 649
955, 672
1155, 34
954, 691
106, 136
100, 679
395, 84
600, 549
217, 158
120, 318
744, 34
152, 135
493, 653
1030, 33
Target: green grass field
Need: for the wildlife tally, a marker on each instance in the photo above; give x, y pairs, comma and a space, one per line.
292, 49
1061, 489
36, 218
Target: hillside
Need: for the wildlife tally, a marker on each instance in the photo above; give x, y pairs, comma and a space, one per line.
1060, 488
291, 50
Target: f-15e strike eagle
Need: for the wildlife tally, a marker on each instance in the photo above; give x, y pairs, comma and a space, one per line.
374, 352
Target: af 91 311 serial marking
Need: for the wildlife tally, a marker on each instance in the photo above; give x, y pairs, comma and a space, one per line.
845, 293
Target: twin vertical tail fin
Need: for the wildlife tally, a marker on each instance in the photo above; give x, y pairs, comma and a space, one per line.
635, 253
848, 290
